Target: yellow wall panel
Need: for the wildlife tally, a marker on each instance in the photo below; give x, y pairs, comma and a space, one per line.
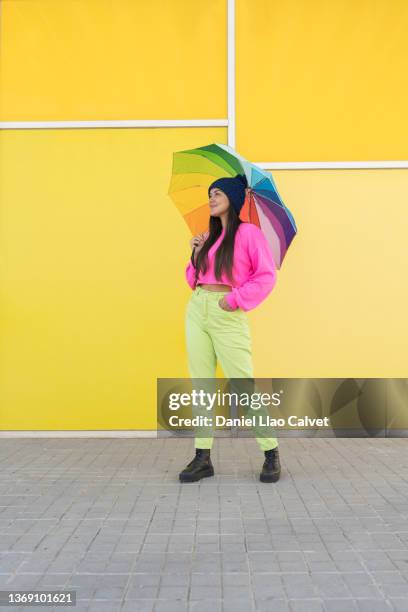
93, 294
322, 80
98, 59
92, 258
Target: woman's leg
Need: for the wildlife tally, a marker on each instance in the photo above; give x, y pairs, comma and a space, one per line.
232, 344
202, 361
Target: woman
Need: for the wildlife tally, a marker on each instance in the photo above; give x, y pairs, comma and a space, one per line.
232, 270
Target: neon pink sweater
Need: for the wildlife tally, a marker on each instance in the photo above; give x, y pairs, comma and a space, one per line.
254, 269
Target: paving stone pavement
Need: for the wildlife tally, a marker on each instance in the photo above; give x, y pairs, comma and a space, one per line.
109, 519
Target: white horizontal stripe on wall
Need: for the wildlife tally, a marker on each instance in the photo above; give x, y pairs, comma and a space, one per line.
321, 165
134, 123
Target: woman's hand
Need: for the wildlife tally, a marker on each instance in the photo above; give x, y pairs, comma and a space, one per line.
224, 304
197, 242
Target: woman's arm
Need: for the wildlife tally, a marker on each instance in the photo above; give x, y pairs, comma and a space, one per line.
196, 243
262, 278
190, 271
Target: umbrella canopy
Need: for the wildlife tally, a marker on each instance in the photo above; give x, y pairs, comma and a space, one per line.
195, 169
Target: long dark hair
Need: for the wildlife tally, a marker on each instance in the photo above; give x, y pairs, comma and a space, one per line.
224, 256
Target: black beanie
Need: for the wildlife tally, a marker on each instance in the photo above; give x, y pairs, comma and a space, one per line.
234, 188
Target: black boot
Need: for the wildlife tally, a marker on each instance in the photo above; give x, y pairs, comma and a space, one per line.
199, 467
271, 468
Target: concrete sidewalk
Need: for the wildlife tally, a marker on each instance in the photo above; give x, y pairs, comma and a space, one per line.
108, 518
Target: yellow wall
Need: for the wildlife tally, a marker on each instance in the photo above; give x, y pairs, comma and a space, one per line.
99, 59
322, 79
92, 250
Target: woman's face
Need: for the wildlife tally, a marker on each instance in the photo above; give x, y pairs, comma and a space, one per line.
219, 202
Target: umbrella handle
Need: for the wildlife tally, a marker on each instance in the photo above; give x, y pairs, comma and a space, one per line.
248, 190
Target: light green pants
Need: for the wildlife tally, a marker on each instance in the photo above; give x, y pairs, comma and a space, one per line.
214, 333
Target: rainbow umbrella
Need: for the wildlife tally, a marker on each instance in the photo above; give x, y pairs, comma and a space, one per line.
195, 169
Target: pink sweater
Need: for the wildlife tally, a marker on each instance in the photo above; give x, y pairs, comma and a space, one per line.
253, 269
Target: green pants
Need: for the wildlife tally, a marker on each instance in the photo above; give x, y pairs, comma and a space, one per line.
212, 334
